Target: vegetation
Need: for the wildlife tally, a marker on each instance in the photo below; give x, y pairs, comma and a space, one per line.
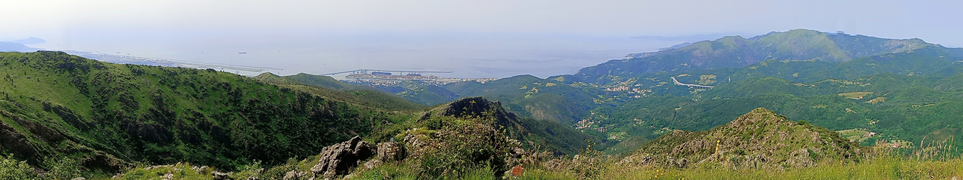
107, 116
734, 51
416, 92
821, 105
329, 87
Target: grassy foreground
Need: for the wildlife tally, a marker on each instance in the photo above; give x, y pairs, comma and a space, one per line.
881, 168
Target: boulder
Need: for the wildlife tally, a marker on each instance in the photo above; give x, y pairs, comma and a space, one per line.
221, 176
390, 151
295, 175
338, 159
413, 143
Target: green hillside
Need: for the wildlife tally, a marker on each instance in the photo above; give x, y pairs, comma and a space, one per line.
417, 92
548, 135
423, 93
529, 96
331, 88
826, 102
898, 107
736, 51
107, 116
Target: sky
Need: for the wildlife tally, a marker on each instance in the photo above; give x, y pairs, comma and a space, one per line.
490, 38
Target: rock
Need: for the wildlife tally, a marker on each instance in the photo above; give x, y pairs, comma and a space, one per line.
800, 159
518, 171
682, 163
372, 164
390, 151
78, 178
221, 176
168, 176
295, 175
413, 143
199, 170
338, 159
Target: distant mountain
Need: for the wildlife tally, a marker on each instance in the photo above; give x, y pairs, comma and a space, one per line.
692, 38
31, 40
634, 106
422, 93
758, 139
417, 92
327, 86
313, 80
735, 51
904, 96
14, 47
647, 54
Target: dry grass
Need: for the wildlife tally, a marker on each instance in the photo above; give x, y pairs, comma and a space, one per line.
933, 162
880, 168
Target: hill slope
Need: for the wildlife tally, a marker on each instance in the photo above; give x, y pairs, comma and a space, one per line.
546, 134
417, 92
759, 138
734, 51
331, 88
107, 115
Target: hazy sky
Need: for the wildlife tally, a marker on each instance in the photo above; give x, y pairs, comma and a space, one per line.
432, 31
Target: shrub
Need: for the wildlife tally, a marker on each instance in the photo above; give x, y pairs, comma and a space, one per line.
13, 169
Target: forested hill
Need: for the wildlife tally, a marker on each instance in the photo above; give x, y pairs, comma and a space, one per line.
735, 51
332, 88
414, 91
56, 105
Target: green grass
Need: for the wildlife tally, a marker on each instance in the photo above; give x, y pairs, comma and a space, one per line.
176, 171
111, 115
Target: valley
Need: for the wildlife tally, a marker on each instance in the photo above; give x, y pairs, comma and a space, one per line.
799, 104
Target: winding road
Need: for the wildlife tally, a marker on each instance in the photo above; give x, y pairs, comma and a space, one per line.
690, 85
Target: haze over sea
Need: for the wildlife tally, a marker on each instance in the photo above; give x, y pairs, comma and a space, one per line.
468, 55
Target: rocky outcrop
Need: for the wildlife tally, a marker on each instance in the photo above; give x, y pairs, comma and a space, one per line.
390, 151
12, 141
760, 138
295, 175
413, 143
474, 107
221, 176
339, 159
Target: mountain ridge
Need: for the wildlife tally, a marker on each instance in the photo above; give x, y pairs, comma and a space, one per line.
734, 51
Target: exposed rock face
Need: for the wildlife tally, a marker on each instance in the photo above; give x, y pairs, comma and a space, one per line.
390, 151
414, 144
338, 159
14, 142
295, 175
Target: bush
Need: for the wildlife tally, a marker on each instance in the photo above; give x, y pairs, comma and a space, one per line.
463, 147
13, 169
63, 168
